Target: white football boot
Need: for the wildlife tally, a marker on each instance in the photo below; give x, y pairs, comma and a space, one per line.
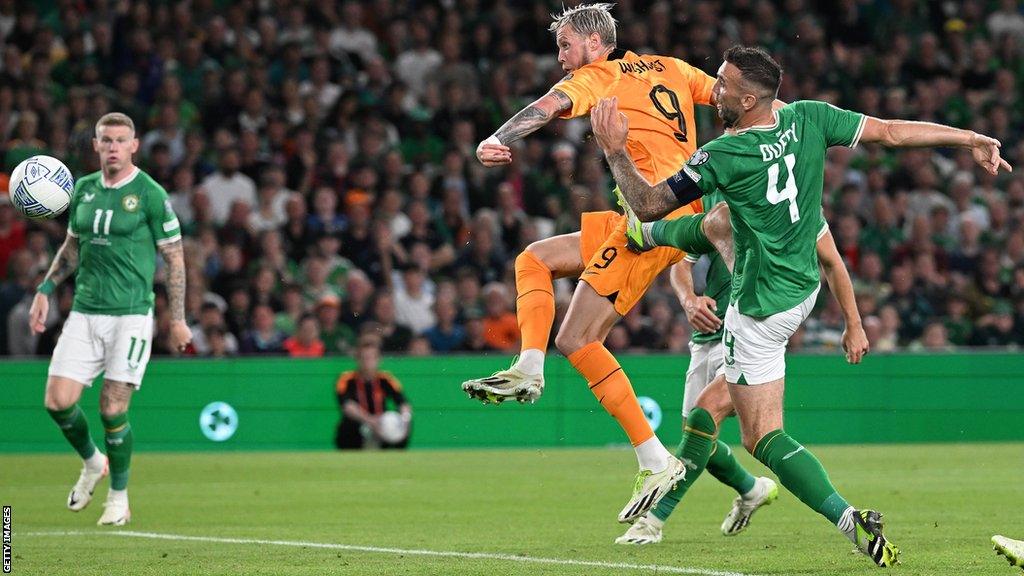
81, 492
115, 510
765, 492
642, 532
649, 488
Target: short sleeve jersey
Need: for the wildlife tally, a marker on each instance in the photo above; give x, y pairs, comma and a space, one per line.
119, 229
717, 283
772, 177
656, 93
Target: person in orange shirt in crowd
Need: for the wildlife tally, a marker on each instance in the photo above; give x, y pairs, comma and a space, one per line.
501, 329
306, 342
364, 395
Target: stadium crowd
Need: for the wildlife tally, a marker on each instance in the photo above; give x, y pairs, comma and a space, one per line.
321, 158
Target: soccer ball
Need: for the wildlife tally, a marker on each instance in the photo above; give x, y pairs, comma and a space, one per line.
41, 187
393, 428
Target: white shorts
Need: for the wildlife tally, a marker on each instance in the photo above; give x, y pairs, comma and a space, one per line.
707, 361
94, 343
755, 348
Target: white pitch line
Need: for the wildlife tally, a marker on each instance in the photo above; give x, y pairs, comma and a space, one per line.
410, 552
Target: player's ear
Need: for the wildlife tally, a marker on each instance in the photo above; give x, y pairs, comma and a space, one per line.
594, 41
95, 145
135, 145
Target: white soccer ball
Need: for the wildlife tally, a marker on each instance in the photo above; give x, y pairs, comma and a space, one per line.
41, 187
393, 427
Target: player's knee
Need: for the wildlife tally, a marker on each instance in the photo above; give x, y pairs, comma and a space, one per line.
112, 406
539, 254
569, 341
716, 223
55, 401
717, 402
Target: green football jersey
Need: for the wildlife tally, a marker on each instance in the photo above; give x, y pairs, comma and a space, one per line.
718, 282
118, 231
772, 177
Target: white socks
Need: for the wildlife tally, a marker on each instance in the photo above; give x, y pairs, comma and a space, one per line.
117, 495
652, 455
654, 520
847, 525
96, 462
531, 361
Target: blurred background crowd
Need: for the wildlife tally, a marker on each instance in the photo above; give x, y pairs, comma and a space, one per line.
321, 158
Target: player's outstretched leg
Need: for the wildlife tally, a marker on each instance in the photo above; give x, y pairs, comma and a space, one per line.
759, 408
699, 234
535, 311
62, 404
1012, 549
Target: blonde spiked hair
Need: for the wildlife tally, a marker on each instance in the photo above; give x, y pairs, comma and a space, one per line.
114, 119
587, 19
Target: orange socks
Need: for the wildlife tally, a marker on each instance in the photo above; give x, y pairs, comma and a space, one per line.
609, 383
535, 306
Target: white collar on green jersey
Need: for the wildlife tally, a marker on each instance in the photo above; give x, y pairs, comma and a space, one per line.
122, 183
772, 126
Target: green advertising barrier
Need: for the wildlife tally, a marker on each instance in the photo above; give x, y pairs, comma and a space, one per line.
279, 403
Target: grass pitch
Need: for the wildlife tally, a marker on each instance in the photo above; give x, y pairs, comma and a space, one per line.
521, 512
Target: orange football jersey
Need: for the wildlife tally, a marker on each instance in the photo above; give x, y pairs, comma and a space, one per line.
657, 94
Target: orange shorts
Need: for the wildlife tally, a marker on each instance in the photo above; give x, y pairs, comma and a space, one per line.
613, 270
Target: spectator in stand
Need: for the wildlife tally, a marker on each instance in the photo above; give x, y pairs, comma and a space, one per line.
211, 320
263, 337
227, 185
394, 337
501, 329
337, 337
446, 335
305, 342
413, 303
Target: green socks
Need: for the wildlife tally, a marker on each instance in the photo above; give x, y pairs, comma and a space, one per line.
801, 473
75, 428
119, 448
685, 233
694, 451
724, 467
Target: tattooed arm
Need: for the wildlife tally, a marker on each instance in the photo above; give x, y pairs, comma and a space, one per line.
64, 265
533, 117
649, 202
65, 262
494, 151
174, 256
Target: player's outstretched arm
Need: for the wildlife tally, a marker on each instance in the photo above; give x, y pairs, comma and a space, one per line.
910, 134
610, 129
494, 151
174, 255
63, 265
855, 341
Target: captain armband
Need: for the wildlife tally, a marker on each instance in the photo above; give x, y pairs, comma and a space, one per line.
684, 185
